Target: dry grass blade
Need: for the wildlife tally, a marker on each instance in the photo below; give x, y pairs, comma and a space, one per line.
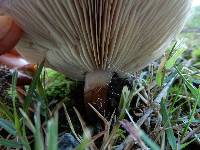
106, 132
70, 123
134, 132
156, 102
83, 124
106, 124
191, 133
163, 141
95, 137
85, 129
99, 115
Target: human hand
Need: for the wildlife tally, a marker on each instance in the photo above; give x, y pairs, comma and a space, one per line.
10, 34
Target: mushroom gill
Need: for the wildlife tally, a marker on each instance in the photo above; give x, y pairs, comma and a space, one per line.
91, 39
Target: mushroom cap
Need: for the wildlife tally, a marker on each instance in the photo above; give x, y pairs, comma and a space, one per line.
80, 36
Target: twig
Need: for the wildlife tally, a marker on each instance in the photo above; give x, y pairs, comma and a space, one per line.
193, 132
143, 99
156, 102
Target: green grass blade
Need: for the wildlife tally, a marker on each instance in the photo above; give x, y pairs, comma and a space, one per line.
192, 88
44, 100
191, 115
10, 144
8, 126
27, 121
20, 128
149, 141
85, 142
39, 140
52, 134
160, 75
5, 110
14, 95
167, 124
183, 146
172, 60
142, 134
125, 101
32, 87
24, 139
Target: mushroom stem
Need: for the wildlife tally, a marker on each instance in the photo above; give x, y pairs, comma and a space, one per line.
95, 92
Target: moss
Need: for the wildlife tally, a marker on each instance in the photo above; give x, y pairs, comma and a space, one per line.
58, 86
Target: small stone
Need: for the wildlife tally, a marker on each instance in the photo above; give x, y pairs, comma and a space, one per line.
67, 142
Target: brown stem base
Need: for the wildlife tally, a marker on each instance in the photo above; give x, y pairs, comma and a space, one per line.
97, 97
95, 93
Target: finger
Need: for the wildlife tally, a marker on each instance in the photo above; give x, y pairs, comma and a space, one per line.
12, 59
10, 33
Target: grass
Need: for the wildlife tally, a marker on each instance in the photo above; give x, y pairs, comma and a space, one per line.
161, 111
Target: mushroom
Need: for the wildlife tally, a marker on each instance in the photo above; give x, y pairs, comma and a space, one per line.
90, 39
10, 35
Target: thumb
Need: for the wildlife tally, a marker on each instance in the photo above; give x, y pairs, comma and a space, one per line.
10, 34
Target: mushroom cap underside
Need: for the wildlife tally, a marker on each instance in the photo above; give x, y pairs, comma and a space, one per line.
80, 36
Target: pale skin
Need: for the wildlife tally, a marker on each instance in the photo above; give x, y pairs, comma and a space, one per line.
10, 34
